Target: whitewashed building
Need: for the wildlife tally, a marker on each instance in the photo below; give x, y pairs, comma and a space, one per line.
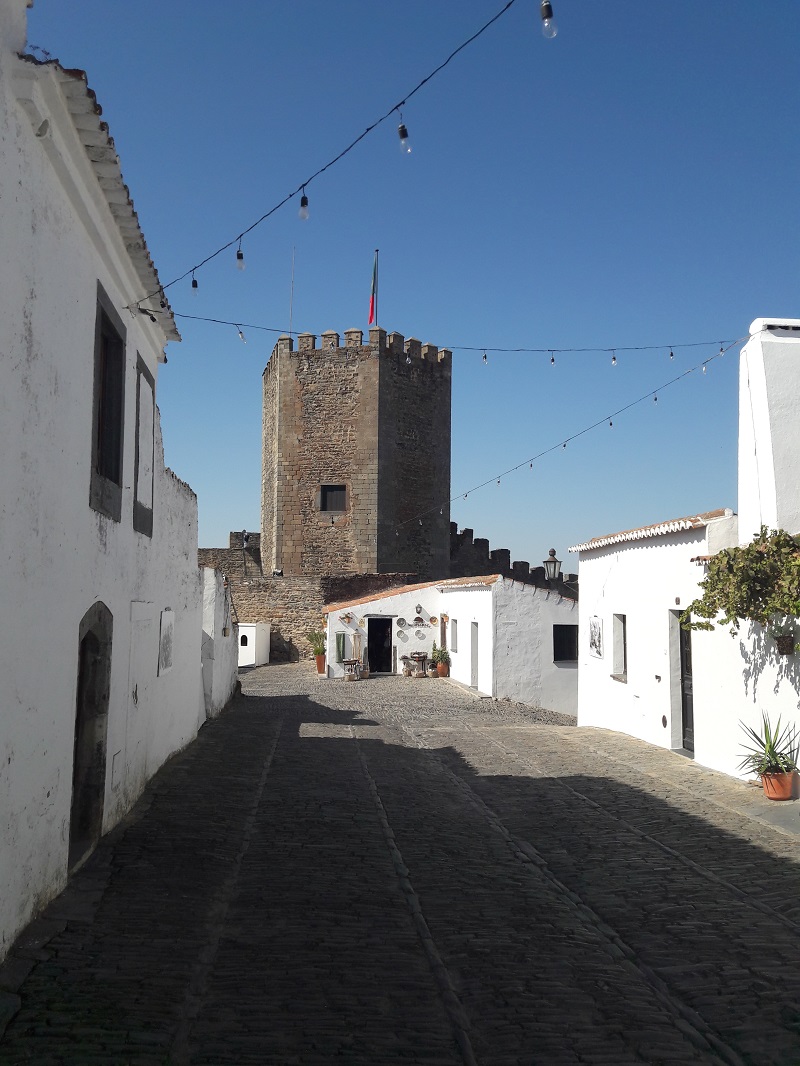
506, 639
102, 595
639, 672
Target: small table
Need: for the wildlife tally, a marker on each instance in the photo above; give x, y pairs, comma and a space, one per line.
421, 659
352, 668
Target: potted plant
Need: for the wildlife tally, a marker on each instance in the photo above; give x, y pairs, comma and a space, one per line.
772, 754
317, 642
443, 662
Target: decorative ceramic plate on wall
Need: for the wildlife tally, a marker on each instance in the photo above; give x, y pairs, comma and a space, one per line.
433, 619
421, 634
400, 622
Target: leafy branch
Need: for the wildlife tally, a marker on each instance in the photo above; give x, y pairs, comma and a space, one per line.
757, 582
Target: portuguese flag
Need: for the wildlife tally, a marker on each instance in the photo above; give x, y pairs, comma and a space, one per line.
373, 296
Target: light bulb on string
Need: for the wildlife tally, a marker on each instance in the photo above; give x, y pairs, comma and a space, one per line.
485, 359
242, 337
552, 359
408, 360
564, 444
721, 350
303, 212
549, 28
163, 300
704, 368
194, 285
239, 256
671, 355
614, 359
402, 133
655, 398
610, 424
530, 465
420, 521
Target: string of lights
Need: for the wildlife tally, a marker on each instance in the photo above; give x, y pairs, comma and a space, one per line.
239, 326
562, 444
548, 25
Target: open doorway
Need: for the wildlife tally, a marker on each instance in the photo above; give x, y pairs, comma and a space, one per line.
379, 645
91, 727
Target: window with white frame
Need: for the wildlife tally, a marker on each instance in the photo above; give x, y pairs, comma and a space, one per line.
453, 634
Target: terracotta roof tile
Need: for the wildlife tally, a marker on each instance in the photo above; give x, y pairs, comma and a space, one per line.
451, 582
658, 529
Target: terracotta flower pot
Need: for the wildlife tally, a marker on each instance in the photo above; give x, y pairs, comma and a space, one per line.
443, 669
320, 663
778, 786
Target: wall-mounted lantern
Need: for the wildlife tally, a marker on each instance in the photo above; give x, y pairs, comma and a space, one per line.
552, 566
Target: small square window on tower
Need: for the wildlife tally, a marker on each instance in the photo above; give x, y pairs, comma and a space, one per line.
333, 498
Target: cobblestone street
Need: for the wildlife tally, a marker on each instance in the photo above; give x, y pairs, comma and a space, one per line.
395, 871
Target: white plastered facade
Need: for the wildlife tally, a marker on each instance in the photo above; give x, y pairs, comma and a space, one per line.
499, 633
61, 230
651, 578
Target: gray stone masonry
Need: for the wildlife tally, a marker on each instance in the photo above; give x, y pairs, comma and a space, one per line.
374, 418
395, 871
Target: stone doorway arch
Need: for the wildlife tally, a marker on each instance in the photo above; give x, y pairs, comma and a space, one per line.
91, 728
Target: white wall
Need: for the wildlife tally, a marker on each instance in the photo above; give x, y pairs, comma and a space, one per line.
255, 652
468, 606
523, 655
220, 654
60, 555
650, 582
769, 443
735, 679
404, 639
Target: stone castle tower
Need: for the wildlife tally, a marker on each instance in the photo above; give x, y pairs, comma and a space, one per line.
356, 456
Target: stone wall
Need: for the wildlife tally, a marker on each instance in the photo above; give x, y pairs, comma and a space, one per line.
375, 418
293, 605
414, 458
234, 561
471, 556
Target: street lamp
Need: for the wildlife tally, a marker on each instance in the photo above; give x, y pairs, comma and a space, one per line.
552, 566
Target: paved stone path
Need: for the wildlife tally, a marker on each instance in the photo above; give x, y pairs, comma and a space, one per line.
397, 872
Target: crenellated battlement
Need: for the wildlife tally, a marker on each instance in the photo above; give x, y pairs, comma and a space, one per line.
378, 343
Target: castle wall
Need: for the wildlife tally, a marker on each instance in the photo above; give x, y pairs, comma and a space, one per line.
374, 418
294, 605
414, 458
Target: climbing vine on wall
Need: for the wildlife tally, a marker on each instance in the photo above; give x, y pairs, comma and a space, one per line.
757, 582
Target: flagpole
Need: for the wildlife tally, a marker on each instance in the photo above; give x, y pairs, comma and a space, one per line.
377, 321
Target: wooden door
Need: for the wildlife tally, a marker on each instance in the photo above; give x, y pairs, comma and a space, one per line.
687, 697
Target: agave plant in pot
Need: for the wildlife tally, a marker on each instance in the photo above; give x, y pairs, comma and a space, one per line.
772, 754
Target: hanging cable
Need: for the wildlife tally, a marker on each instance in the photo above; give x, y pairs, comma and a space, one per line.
606, 419
331, 162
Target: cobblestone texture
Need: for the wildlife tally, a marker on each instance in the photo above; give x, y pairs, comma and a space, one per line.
398, 872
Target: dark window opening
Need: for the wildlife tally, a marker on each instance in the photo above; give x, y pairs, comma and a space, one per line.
565, 644
144, 456
243, 640
333, 498
108, 410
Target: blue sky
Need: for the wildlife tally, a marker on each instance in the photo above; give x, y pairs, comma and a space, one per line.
633, 182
